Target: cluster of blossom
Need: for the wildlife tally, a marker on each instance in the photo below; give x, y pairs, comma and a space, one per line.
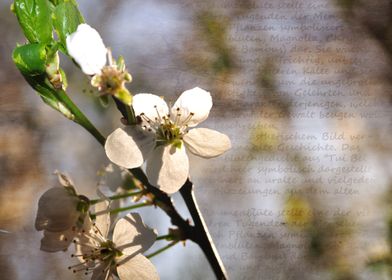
64, 217
156, 135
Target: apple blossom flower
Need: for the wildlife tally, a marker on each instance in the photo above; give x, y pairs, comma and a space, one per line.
112, 79
160, 136
86, 47
102, 256
61, 215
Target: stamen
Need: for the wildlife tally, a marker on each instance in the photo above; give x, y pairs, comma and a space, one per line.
149, 121
84, 244
177, 118
81, 255
77, 265
97, 251
159, 116
79, 269
190, 116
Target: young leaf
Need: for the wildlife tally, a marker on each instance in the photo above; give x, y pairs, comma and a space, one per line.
34, 17
30, 59
58, 2
66, 19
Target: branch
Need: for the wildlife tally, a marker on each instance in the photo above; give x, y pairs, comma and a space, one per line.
200, 234
164, 202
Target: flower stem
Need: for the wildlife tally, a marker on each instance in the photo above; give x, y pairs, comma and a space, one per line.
168, 246
165, 237
135, 206
122, 209
114, 197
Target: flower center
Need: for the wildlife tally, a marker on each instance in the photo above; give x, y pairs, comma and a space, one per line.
94, 251
168, 129
110, 80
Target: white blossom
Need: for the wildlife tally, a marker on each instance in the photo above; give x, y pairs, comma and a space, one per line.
102, 256
61, 215
86, 47
160, 137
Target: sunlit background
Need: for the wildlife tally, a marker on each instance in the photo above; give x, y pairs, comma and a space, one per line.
301, 87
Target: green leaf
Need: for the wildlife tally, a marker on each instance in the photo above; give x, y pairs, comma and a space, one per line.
58, 2
62, 108
64, 78
34, 17
66, 19
30, 59
53, 71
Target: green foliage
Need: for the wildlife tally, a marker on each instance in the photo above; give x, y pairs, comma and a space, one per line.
30, 59
66, 18
34, 17
38, 61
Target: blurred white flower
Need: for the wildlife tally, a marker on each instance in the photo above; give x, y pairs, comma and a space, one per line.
160, 136
86, 47
61, 215
102, 257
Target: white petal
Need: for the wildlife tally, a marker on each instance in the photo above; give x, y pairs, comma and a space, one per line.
86, 47
137, 268
206, 142
87, 238
196, 101
151, 105
102, 221
85, 244
100, 273
132, 236
129, 147
57, 210
56, 241
168, 168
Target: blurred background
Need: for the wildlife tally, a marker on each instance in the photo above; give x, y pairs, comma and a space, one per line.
301, 87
